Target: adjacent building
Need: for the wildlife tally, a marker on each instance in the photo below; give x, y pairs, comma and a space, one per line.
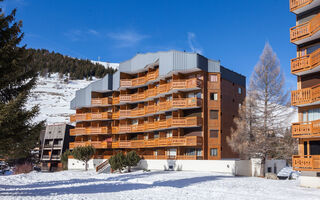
306, 66
166, 105
55, 141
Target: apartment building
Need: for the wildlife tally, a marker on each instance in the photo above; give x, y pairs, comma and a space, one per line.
166, 105
55, 141
306, 66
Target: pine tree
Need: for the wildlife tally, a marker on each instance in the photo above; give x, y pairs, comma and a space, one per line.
264, 118
132, 159
18, 134
118, 162
83, 154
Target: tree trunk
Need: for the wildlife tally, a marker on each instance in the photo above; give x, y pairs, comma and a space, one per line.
129, 168
86, 166
263, 166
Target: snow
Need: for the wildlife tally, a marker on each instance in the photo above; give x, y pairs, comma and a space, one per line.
107, 64
54, 96
149, 185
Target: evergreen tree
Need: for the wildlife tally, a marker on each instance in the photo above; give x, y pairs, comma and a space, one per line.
18, 134
118, 162
83, 154
132, 159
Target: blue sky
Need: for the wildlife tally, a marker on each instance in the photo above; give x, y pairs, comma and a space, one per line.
233, 31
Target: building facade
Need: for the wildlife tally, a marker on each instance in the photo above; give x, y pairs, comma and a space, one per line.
306, 66
163, 105
55, 141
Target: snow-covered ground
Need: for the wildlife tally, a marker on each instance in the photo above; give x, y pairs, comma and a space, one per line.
53, 96
149, 185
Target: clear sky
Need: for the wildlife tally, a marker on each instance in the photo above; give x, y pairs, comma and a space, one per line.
232, 31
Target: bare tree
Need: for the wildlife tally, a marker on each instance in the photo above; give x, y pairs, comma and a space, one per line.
264, 116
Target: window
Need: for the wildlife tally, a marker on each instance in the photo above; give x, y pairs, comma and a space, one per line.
214, 133
214, 114
214, 96
240, 90
213, 78
169, 134
213, 152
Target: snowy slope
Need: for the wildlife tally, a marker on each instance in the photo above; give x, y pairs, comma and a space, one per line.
54, 96
107, 64
151, 185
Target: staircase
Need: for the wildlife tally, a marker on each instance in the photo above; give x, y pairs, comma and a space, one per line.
103, 167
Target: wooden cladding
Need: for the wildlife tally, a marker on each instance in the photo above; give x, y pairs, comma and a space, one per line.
296, 4
159, 142
305, 30
305, 63
306, 162
140, 80
162, 124
101, 101
305, 96
306, 129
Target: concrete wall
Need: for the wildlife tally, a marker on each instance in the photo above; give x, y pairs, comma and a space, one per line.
222, 166
79, 165
309, 179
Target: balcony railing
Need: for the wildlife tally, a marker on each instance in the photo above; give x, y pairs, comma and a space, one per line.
306, 129
305, 63
296, 4
306, 162
90, 130
101, 101
163, 88
305, 96
140, 80
96, 144
168, 157
92, 116
305, 30
159, 142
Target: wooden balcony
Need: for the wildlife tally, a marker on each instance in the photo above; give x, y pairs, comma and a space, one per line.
167, 157
91, 116
96, 144
190, 141
306, 64
307, 96
300, 6
306, 31
306, 129
124, 129
306, 162
101, 101
150, 76
115, 100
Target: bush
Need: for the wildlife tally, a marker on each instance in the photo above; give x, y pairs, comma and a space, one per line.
83, 154
132, 159
118, 162
23, 168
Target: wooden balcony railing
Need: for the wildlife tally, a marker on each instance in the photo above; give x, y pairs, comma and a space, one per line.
168, 157
101, 101
306, 162
306, 129
163, 106
91, 116
296, 4
115, 100
140, 80
305, 96
305, 63
305, 30
159, 142
163, 88
96, 144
